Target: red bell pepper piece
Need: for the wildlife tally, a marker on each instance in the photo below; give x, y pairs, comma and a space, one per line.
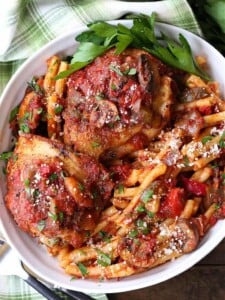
173, 205
194, 187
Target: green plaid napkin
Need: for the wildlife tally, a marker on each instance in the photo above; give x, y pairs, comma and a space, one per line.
26, 25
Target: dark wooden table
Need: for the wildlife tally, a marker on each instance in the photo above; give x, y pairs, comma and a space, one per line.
204, 281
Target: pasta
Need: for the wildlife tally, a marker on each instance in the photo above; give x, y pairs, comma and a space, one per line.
143, 192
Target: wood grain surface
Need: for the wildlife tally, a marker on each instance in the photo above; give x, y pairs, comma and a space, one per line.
204, 281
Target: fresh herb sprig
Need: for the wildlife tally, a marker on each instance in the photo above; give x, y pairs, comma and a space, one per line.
102, 36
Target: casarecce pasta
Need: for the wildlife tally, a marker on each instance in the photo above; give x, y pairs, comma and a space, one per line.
128, 169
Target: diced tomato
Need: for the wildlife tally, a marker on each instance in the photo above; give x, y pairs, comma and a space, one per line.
194, 187
205, 110
138, 141
173, 205
120, 172
45, 170
212, 220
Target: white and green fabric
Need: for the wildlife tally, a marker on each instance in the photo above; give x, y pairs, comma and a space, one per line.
26, 25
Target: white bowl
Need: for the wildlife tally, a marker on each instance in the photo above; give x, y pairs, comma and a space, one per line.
34, 255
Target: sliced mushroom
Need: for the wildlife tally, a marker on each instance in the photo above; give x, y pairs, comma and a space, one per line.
105, 113
186, 234
138, 253
194, 93
145, 72
191, 122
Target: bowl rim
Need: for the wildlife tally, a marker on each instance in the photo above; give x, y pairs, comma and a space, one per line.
135, 281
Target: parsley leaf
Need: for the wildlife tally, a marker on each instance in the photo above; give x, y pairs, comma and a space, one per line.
35, 86
140, 208
24, 128
147, 195
81, 186
221, 141
95, 144
41, 225
103, 259
87, 52
102, 36
115, 69
53, 216
206, 138
6, 155
27, 182
52, 177
131, 71
58, 109
133, 233
13, 113
186, 161
105, 236
120, 188
82, 269
223, 178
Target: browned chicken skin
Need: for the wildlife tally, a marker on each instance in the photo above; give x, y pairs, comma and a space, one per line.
54, 193
111, 100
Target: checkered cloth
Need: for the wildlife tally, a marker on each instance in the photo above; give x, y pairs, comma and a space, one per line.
26, 25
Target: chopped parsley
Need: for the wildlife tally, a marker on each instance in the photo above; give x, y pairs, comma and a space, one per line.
140, 223
105, 236
6, 155
140, 208
52, 177
99, 96
217, 206
41, 225
81, 186
207, 138
130, 72
36, 193
142, 226
113, 87
101, 36
4, 170
13, 113
221, 141
95, 144
103, 259
58, 109
24, 128
223, 178
150, 214
35, 86
73, 278
147, 195
95, 194
40, 110
115, 69
120, 188
53, 216
27, 182
214, 165
137, 242
61, 216
186, 161
133, 233
52, 242
82, 269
